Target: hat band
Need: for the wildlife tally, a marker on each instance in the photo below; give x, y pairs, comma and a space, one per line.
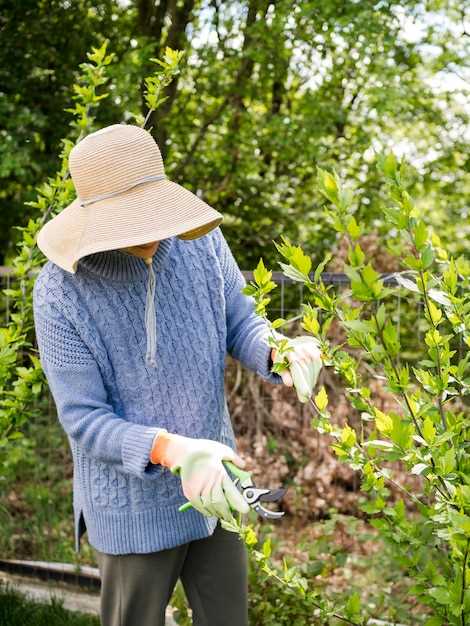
146, 179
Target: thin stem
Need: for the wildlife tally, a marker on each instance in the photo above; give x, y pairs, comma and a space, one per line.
401, 488
149, 113
403, 393
464, 583
439, 365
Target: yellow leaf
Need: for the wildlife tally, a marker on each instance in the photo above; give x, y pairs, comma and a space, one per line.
250, 538
436, 314
310, 323
321, 399
383, 421
348, 436
330, 183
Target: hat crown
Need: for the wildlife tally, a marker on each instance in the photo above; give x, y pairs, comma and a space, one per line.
112, 159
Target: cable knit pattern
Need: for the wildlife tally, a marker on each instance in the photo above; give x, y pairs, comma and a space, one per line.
90, 330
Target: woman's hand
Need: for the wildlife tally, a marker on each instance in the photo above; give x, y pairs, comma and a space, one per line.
305, 365
204, 479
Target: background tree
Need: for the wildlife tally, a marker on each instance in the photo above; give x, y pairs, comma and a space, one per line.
268, 91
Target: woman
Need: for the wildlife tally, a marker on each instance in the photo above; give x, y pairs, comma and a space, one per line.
135, 310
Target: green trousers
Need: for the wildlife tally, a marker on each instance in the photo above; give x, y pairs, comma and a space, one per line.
136, 588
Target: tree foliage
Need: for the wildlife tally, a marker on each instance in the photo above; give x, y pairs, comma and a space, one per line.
267, 92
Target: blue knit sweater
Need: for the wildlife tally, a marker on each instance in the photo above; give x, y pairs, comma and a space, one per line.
90, 331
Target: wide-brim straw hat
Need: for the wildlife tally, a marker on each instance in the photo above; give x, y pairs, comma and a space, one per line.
123, 199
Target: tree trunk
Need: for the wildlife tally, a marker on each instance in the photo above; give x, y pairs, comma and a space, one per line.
176, 39
245, 72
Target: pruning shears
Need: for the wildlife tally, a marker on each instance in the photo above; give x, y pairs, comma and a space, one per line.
252, 494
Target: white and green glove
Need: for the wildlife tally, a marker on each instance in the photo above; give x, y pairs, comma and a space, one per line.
304, 365
205, 481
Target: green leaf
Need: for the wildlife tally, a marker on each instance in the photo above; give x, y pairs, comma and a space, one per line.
389, 165
439, 296
379, 443
419, 468
421, 235
16, 435
12, 293
250, 290
360, 326
321, 266
301, 261
328, 185
353, 606
292, 272
390, 335
447, 461
441, 594
230, 526
450, 277
338, 450
98, 54
434, 621
412, 262
429, 432
278, 322
267, 548
427, 256
359, 255
261, 274
310, 322
461, 522
380, 315
369, 275
353, 228
373, 506
402, 432
406, 282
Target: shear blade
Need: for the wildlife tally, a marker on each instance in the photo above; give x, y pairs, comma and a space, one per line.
266, 513
274, 495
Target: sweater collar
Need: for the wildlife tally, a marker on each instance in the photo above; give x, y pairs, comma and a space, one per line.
124, 266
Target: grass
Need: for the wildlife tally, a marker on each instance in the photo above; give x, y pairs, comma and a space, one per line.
16, 610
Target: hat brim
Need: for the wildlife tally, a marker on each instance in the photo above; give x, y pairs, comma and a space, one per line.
150, 212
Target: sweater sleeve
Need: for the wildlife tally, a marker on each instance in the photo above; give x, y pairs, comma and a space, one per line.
247, 332
76, 384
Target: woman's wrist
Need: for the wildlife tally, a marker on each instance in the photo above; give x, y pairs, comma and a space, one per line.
160, 445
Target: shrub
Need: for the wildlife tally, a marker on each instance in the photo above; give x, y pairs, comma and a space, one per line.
429, 431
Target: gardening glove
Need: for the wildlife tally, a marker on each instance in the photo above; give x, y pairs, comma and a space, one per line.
205, 481
304, 365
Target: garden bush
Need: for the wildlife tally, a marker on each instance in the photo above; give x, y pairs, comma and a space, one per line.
428, 432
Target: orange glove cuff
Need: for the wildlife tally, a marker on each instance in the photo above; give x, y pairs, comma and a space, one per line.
159, 448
